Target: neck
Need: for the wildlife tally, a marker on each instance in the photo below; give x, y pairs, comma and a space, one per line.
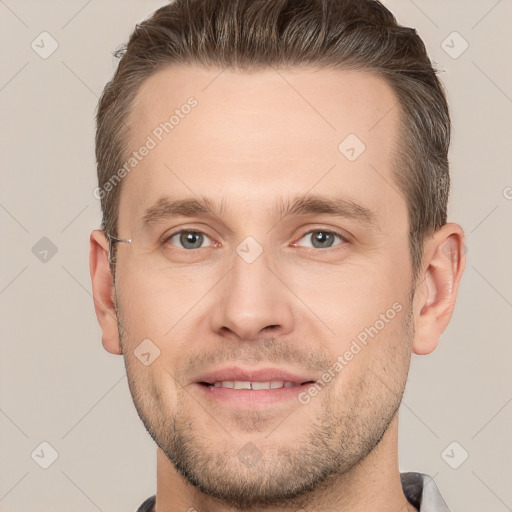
373, 484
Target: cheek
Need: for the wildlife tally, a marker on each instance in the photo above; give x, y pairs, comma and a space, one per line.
353, 295
364, 305
153, 302
374, 362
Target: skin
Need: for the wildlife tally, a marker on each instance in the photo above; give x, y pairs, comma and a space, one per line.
252, 140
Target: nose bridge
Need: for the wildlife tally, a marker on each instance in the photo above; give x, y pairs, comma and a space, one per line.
253, 298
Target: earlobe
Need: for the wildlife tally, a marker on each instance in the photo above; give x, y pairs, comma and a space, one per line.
103, 292
437, 292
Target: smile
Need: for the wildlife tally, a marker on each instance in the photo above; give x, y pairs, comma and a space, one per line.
241, 384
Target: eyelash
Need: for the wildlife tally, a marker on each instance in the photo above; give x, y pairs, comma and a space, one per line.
314, 249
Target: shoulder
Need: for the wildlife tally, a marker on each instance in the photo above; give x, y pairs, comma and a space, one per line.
422, 492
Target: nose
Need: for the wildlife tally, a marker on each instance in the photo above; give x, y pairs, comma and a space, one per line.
253, 301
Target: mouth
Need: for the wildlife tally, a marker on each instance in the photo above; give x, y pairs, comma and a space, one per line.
253, 395
253, 388
255, 385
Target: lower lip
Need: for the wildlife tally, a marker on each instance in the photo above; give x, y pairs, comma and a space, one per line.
253, 397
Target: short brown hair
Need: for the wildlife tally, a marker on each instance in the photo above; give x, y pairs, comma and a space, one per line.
255, 34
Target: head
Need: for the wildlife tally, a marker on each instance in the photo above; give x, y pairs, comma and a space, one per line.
289, 210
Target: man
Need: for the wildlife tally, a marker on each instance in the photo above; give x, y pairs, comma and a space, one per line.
274, 247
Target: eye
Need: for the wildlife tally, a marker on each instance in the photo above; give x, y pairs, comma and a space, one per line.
189, 239
322, 239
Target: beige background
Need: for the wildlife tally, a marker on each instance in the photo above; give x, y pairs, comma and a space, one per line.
59, 386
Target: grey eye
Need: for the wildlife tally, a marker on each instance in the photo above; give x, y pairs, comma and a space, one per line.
189, 239
321, 239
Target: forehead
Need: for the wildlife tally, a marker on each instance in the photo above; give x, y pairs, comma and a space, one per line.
252, 138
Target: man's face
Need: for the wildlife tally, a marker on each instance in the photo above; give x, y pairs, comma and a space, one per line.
309, 293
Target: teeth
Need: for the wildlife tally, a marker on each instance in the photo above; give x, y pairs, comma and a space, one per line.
260, 385
239, 384
242, 384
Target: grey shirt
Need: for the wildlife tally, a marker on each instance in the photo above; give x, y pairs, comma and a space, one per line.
419, 489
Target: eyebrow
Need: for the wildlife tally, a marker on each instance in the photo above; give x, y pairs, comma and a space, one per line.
167, 207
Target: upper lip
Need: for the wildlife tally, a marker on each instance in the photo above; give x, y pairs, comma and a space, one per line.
265, 374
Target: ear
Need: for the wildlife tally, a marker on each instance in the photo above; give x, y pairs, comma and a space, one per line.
103, 291
444, 261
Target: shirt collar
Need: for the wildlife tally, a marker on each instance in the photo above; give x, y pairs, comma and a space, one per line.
422, 492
